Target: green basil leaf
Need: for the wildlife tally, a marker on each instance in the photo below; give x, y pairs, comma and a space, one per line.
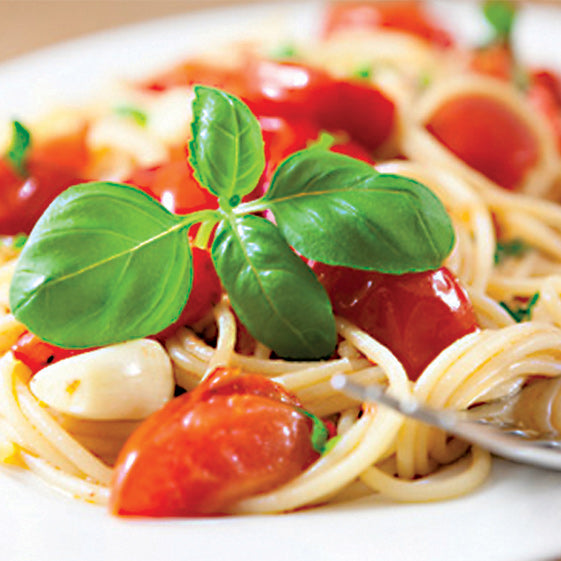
227, 151
19, 148
273, 292
105, 263
339, 210
501, 15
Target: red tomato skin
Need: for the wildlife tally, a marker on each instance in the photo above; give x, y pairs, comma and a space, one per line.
358, 109
545, 95
23, 200
285, 136
230, 438
416, 315
36, 354
52, 167
174, 185
487, 136
408, 16
206, 291
494, 60
296, 91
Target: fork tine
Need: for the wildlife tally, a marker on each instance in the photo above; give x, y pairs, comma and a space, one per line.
511, 444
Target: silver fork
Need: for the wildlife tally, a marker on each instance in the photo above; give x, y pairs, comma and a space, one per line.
505, 441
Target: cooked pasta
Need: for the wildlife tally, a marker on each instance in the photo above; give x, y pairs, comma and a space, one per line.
516, 296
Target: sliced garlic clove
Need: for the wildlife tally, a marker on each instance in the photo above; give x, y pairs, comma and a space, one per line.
125, 381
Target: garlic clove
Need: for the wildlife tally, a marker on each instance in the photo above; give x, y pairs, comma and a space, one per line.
125, 381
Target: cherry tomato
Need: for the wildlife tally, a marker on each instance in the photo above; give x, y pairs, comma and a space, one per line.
205, 293
51, 168
488, 136
234, 436
545, 94
284, 136
174, 185
415, 315
408, 16
296, 91
69, 151
494, 60
37, 354
23, 200
358, 109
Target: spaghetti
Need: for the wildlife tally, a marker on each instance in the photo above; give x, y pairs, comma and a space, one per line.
377, 450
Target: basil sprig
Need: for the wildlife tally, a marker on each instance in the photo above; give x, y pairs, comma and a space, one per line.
107, 263
501, 16
19, 148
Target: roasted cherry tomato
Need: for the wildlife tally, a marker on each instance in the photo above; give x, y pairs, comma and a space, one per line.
173, 184
405, 16
284, 136
234, 436
296, 91
545, 94
488, 136
205, 293
494, 60
37, 354
51, 168
415, 315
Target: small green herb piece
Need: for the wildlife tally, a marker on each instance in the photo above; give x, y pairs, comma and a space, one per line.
19, 148
131, 112
324, 141
320, 433
273, 292
363, 72
340, 211
510, 248
425, 80
522, 313
227, 150
286, 51
105, 263
19, 241
501, 15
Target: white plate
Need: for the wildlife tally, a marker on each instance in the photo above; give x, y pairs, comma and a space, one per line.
515, 516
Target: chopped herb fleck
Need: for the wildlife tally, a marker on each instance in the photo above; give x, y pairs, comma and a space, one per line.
131, 112
524, 312
510, 248
363, 72
283, 52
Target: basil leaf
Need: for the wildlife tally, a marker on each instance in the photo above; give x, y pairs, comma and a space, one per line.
19, 148
273, 292
340, 211
501, 15
227, 150
105, 263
